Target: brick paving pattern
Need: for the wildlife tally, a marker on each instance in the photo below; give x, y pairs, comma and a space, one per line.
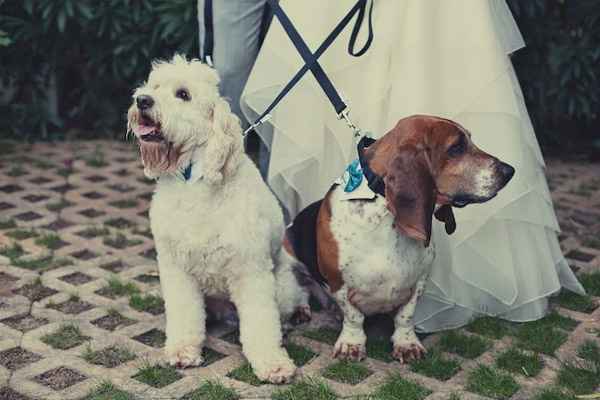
80, 294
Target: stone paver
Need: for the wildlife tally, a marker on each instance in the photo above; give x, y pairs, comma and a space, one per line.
73, 217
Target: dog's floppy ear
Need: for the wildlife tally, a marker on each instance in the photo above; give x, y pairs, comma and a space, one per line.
224, 143
409, 192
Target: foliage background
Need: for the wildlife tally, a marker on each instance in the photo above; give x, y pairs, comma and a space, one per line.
68, 66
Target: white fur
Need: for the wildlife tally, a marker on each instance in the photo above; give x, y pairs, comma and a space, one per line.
220, 235
382, 271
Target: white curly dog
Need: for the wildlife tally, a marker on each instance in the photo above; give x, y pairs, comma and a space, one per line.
218, 229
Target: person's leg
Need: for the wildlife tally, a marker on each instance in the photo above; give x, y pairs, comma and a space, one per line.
237, 27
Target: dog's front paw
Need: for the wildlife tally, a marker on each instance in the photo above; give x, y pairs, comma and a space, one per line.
184, 356
278, 372
346, 350
409, 351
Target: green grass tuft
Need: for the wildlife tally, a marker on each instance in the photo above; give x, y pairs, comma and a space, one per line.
58, 206
325, 335
347, 372
244, 373
516, 361
299, 354
465, 346
8, 224
157, 376
120, 241
554, 394
590, 351
149, 303
109, 357
309, 389
127, 203
116, 288
554, 319
488, 382
395, 387
435, 365
94, 232
379, 349
67, 336
22, 234
580, 378
108, 391
13, 252
491, 327
591, 283
576, 302
540, 338
211, 390
96, 160
50, 241
42, 263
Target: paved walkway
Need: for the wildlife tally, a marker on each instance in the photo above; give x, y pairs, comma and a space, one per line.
80, 299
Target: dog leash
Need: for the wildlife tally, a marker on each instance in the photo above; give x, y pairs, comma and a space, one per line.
311, 60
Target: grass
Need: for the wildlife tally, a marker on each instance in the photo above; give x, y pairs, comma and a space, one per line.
119, 223
116, 288
591, 283
96, 160
465, 346
435, 365
325, 335
518, 362
211, 390
127, 203
22, 234
540, 337
149, 303
120, 241
58, 206
8, 224
491, 327
576, 302
157, 376
42, 263
300, 355
580, 378
108, 391
94, 232
554, 319
554, 394
13, 252
308, 389
244, 373
379, 349
488, 382
16, 170
67, 336
347, 372
395, 387
50, 241
110, 357
590, 351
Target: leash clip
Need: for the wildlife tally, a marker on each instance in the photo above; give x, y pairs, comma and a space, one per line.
209, 61
357, 132
256, 124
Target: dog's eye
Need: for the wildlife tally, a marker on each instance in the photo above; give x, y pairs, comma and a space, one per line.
183, 94
458, 148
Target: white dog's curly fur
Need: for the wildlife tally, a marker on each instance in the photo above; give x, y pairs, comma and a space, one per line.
218, 233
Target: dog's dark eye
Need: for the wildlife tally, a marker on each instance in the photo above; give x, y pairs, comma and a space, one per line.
183, 94
458, 148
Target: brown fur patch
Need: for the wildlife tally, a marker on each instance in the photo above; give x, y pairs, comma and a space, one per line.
161, 156
327, 247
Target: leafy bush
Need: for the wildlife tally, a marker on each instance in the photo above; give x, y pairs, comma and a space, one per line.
73, 63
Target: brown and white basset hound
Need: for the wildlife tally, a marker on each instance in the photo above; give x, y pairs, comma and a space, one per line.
374, 253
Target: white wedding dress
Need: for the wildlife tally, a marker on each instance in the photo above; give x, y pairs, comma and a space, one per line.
438, 57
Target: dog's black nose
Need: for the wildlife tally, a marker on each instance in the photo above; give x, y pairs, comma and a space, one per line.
506, 171
144, 102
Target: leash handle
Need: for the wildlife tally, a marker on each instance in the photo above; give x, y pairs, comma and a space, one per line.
312, 63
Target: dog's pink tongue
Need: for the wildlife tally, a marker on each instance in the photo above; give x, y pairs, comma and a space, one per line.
143, 129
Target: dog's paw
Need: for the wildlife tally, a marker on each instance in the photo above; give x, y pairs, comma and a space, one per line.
302, 315
349, 351
407, 352
184, 356
279, 372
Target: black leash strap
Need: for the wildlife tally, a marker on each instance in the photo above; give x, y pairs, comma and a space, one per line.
311, 59
209, 33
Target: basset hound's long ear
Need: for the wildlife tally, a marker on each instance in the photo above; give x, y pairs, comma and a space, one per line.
409, 192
